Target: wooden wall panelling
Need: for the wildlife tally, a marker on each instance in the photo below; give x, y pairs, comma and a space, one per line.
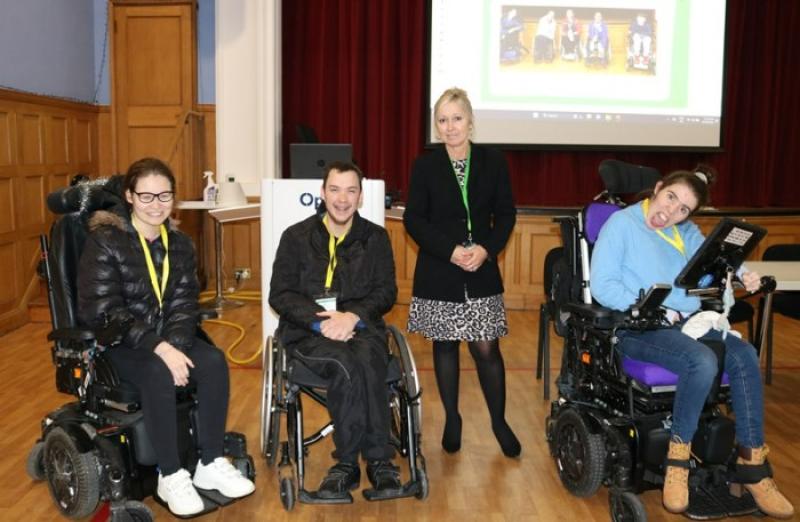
43, 143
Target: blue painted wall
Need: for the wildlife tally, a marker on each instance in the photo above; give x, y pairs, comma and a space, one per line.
60, 48
47, 47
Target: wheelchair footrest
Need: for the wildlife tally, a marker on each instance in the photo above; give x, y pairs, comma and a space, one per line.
208, 506
709, 502
409, 489
215, 496
311, 497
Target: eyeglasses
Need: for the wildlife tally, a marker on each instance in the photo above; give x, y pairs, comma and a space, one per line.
148, 197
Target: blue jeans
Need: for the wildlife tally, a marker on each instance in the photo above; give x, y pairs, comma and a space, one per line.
695, 364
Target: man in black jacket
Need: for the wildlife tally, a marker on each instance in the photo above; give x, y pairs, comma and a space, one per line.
332, 281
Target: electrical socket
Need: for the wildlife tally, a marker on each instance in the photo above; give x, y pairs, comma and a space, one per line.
241, 273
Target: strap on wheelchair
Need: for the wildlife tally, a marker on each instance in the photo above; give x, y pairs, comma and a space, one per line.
685, 464
751, 473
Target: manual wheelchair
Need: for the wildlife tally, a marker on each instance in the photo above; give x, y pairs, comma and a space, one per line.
610, 423
96, 449
286, 380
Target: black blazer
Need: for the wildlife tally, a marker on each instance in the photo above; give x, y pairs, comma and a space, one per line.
436, 219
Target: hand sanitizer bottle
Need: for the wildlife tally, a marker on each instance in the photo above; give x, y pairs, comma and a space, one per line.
210, 192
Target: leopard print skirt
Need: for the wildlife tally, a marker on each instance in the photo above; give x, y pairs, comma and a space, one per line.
481, 319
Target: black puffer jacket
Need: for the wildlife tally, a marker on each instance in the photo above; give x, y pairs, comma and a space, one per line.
364, 279
113, 278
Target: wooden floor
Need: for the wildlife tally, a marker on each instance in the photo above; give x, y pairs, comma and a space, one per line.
476, 484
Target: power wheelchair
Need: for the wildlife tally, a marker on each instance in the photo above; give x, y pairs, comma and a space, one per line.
286, 380
610, 423
96, 449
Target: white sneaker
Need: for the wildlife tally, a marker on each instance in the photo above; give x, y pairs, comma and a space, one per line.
179, 494
224, 477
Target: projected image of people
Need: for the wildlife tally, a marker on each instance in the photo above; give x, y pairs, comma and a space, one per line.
597, 49
570, 37
544, 41
640, 44
511, 27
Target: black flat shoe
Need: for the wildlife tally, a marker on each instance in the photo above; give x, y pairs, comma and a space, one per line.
383, 475
341, 478
451, 438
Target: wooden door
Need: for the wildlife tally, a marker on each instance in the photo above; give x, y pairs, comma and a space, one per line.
154, 87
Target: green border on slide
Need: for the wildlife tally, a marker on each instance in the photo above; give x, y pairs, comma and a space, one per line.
678, 90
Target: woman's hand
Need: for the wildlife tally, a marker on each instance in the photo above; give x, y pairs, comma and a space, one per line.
460, 256
338, 326
477, 256
469, 259
751, 281
176, 361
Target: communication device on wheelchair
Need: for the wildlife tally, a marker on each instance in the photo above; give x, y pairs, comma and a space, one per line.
724, 250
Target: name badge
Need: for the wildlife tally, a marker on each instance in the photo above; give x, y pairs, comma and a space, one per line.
327, 301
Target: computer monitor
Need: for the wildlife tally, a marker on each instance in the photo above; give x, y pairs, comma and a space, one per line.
308, 160
725, 248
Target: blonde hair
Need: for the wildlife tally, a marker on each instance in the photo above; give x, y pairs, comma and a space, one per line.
455, 94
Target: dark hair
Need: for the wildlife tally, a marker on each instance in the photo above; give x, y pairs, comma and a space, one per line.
699, 179
143, 168
342, 166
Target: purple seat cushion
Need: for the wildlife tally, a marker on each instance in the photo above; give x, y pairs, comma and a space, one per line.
652, 374
595, 216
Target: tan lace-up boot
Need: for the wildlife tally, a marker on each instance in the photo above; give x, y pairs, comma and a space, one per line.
765, 492
676, 478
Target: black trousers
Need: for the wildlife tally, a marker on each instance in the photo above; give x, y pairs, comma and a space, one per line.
358, 397
150, 375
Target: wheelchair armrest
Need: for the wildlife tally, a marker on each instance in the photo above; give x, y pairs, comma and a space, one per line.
596, 315
71, 334
207, 313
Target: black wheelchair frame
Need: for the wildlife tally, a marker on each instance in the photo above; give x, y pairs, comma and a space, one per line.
286, 380
606, 428
96, 449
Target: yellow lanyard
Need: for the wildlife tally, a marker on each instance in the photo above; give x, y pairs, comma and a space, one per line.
151, 268
676, 241
332, 244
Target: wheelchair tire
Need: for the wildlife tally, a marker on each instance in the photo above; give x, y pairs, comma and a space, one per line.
72, 476
272, 393
133, 511
626, 506
35, 465
580, 454
399, 348
424, 486
287, 493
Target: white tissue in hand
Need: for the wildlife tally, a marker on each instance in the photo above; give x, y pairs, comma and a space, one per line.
699, 324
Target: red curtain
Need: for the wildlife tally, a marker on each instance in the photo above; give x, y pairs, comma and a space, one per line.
355, 71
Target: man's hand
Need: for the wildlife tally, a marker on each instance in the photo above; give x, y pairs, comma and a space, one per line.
338, 326
751, 281
176, 361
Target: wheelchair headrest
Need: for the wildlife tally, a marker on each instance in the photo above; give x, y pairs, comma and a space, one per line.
626, 178
594, 217
87, 196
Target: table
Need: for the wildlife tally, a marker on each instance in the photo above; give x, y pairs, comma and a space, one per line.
222, 215
787, 278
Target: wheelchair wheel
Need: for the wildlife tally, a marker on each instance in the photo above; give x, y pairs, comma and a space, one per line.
132, 511
580, 454
626, 506
398, 347
287, 493
424, 486
272, 394
35, 465
72, 476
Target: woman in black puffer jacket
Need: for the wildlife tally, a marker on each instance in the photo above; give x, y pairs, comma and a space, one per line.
134, 263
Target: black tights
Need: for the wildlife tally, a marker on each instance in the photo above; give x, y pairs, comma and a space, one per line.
492, 376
